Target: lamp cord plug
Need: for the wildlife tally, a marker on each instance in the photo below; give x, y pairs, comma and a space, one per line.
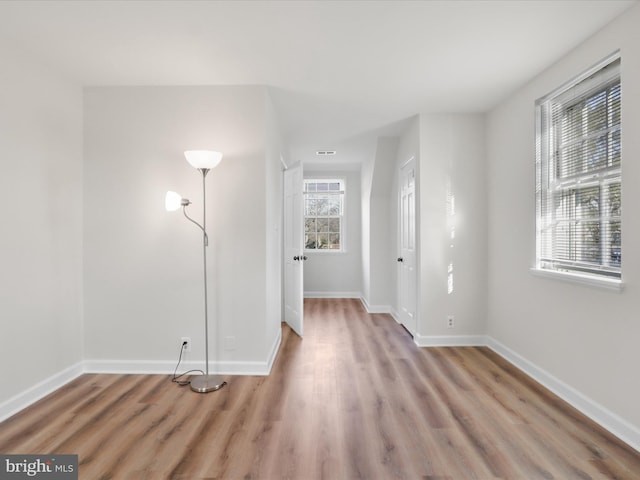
176, 378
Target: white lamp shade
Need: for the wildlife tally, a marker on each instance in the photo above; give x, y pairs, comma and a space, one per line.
203, 158
172, 201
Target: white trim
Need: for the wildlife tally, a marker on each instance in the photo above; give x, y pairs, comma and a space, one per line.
275, 348
612, 422
450, 340
611, 284
31, 395
549, 185
344, 237
167, 367
326, 251
615, 424
332, 294
49, 385
394, 314
374, 308
612, 57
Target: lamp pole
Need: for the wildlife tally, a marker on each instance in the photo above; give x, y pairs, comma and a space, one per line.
205, 383
205, 244
203, 161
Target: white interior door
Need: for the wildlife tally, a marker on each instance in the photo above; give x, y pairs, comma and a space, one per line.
293, 249
407, 278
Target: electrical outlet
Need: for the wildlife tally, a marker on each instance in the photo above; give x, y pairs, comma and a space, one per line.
450, 322
187, 340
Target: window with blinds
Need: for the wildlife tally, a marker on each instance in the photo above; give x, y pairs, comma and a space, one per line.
323, 214
578, 175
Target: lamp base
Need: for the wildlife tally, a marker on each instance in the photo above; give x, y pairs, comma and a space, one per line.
207, 383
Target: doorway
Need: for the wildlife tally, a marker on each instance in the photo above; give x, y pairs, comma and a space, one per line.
293, 249
407, 275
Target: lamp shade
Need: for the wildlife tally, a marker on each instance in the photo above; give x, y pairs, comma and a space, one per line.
172, 201
203, 158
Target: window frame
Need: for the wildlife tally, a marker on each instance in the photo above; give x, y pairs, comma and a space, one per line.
341, 217
556, 191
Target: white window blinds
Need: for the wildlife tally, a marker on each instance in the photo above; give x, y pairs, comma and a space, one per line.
578, 175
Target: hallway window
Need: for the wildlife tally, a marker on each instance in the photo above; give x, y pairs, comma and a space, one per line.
323, 214
579, 223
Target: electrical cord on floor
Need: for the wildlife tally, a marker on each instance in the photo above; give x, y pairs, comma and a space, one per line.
176, 378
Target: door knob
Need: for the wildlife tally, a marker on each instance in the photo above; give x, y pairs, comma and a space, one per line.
304, 257
296, 258
400, 259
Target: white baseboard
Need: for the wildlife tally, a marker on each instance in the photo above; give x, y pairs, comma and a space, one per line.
450, 340
332, 294
275, 348
24, 399
375, 308
618, 426
165, 367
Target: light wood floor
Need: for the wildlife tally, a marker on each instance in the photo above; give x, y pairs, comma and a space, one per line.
354, 399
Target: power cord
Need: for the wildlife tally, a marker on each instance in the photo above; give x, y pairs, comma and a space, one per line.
176, 378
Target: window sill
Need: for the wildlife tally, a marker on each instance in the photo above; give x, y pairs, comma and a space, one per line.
324, 252
610, 284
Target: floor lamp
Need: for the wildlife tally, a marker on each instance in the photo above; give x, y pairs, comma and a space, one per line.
203, 160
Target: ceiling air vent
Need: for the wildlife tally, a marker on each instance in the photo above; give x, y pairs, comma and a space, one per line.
324, 153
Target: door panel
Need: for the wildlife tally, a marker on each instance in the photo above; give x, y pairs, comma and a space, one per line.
407, 275
293, 249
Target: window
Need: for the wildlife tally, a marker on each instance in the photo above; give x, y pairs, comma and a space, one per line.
578, 176
323, 214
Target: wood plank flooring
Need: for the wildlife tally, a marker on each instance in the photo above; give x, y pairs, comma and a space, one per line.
354, 399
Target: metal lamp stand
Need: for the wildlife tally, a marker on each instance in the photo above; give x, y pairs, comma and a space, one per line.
205, 383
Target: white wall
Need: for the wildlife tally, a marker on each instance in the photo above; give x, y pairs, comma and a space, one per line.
366, 183
338, 274
378, 229
382, 261
41, 241
143, 265
274, 223
452, 161
584, 337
